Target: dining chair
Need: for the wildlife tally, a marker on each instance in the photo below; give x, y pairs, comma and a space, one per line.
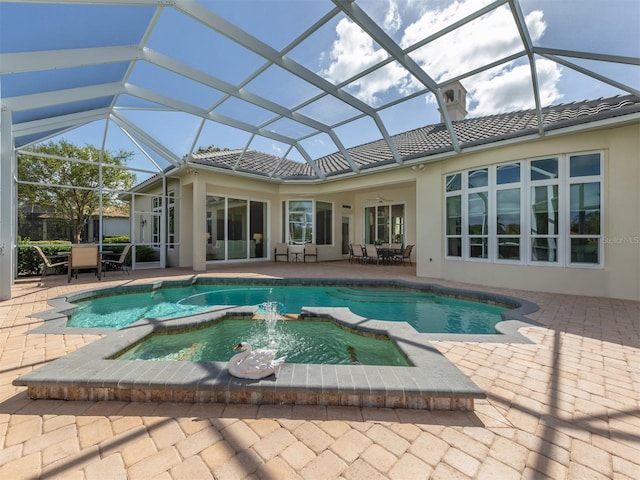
405, 256
356, 252
118, 263
47, 264
371, 252
84, 256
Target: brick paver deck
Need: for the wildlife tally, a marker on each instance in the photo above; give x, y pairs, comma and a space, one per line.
566, 406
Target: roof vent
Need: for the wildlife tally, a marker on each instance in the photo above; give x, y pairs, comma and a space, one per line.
455, 99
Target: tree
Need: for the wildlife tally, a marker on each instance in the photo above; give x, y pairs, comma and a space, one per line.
70, 189
212, 149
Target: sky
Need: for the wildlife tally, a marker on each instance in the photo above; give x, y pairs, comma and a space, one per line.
339, 50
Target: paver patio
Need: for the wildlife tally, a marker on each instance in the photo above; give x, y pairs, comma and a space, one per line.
566, 406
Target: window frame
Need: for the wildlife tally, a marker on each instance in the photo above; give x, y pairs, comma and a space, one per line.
585, 179
286, 224
564, 182
495, 235
454, 193
171, 219
394, 232
156, 212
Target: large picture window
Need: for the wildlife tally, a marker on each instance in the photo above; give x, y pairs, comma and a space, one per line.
384, 224
545, 211
308, 221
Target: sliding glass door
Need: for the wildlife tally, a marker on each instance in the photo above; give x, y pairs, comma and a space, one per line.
235, 228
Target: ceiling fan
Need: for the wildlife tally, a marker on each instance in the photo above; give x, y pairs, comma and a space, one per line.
379, 199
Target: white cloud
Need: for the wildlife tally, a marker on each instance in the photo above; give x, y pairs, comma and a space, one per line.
484, 40
487, 39
510, 89
354, 51
392, 20
276, 149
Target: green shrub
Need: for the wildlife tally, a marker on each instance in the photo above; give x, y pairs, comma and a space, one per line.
116, 239
145, 253
30, 263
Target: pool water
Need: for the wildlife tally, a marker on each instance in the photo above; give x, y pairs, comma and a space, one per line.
313, 342
427, 312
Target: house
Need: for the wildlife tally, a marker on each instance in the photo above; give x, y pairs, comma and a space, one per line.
509, 208
41, 223
543, 199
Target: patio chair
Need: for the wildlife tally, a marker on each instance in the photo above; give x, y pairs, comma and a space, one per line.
310, 250
406, 255
118, 263
47, 263
84, 256
396, 248
281, 250
356, 253
371, 253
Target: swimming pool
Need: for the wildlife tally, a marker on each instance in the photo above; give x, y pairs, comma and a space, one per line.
425, 310
430, 381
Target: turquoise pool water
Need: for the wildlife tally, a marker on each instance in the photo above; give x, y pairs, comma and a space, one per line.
314, 342
427, 312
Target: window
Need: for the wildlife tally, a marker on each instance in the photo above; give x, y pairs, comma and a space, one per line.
384, 224
544, 212
308, 221
300, 221
584, 208
171, 219
508, 216
453, 215
324, 223
508, 223
157, 214
478, 213
544, 218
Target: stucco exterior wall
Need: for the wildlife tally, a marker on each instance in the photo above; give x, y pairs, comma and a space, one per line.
421, 190
620, 276
349, 197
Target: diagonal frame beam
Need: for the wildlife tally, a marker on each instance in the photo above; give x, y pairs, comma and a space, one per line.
205, 16
364, 21
528, 46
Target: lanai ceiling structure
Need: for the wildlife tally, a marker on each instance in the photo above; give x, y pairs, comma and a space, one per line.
298, 80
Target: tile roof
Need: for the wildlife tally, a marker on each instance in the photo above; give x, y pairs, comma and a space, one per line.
425, 141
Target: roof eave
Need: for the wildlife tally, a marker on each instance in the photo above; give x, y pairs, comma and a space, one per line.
502, 141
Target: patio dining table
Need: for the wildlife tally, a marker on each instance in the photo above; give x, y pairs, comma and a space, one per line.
387, 254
